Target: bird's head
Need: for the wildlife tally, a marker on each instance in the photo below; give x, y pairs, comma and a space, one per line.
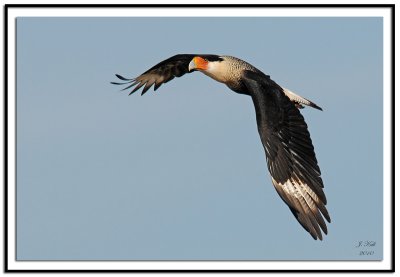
198, 63
211, 65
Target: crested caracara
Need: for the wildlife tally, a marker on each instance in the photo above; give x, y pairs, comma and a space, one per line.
284, 135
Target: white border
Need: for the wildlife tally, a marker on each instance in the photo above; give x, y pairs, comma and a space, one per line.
185, 12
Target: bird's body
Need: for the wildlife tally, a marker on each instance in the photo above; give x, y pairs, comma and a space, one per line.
290, 154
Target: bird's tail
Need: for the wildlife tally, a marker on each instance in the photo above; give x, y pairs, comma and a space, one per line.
299, 101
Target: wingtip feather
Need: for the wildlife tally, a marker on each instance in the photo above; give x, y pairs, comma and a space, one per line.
122, 78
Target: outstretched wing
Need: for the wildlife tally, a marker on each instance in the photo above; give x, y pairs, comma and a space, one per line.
290, 154
159, 74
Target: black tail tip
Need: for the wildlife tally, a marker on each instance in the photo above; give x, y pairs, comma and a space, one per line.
316, 107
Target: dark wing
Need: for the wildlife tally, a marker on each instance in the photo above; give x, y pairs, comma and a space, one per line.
159, 74
290, 154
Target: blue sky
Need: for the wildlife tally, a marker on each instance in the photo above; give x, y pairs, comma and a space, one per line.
180, 174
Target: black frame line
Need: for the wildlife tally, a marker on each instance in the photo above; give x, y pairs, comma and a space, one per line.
392, 142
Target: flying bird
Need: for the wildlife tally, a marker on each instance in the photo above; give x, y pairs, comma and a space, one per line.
286, 140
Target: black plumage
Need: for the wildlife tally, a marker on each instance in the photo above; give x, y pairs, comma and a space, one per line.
162, 72
289, 151
284, 134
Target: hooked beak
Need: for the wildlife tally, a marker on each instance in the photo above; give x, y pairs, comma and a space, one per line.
192, 65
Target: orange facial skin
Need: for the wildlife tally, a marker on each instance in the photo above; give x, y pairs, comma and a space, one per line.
201, 64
